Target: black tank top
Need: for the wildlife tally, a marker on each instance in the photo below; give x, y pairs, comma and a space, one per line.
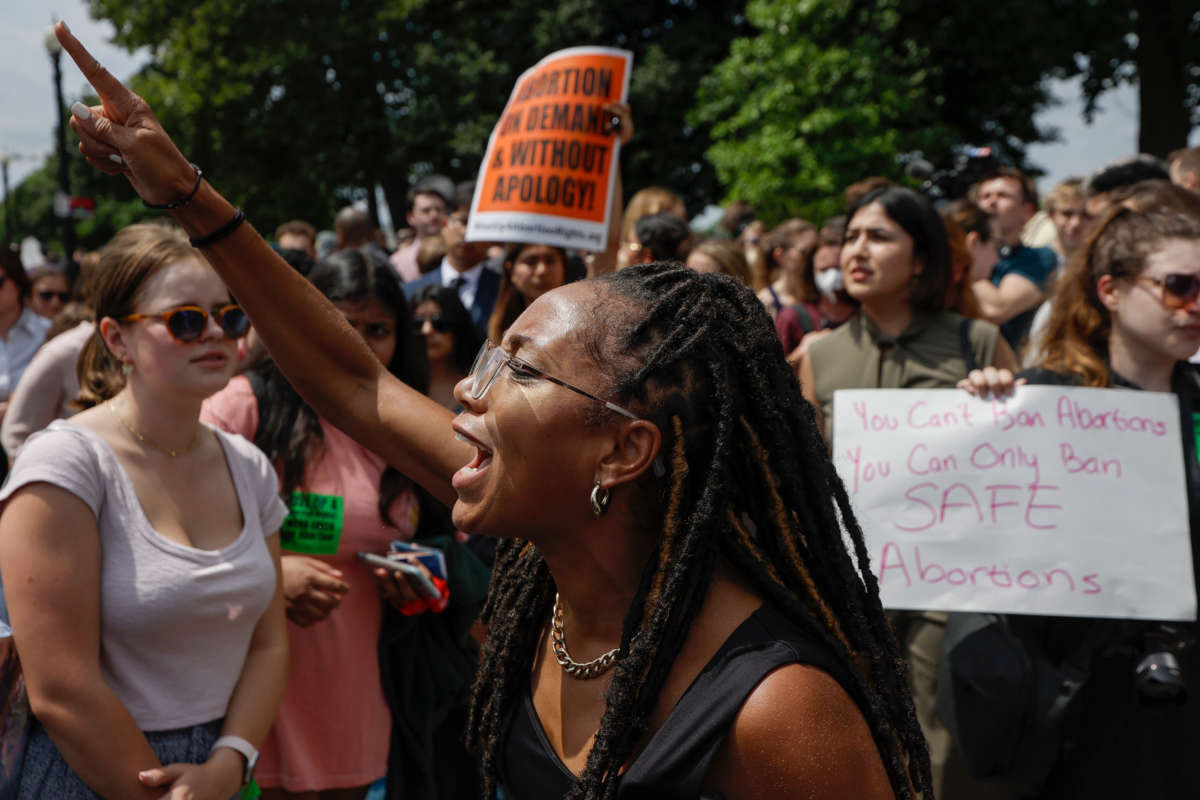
677, 758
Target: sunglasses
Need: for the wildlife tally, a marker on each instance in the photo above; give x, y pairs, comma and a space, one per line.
188, 323
437, 321
1178, 289
45, 295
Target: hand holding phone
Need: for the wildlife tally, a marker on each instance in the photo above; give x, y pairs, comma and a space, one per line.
415, 576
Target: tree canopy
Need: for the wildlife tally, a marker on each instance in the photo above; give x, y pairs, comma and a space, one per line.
293, 109
296, 108
825, 92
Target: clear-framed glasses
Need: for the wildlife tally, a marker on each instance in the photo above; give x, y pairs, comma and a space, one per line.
492, 357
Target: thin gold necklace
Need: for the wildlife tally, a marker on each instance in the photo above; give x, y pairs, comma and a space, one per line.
137, 435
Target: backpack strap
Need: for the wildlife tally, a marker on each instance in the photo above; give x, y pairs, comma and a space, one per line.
804, 315
964, 339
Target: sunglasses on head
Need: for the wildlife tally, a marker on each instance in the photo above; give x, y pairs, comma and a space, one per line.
1179, 289
437, 321
188, 323
46, 295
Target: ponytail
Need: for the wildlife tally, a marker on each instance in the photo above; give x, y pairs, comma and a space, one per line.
100, 374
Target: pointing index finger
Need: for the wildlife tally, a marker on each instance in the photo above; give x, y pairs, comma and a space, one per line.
114, 94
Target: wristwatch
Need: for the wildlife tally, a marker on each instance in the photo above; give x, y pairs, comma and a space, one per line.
246, 749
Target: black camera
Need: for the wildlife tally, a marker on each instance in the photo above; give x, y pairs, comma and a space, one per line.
1157, 675
970, 165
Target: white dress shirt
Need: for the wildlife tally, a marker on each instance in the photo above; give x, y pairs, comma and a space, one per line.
470, 281
16, 351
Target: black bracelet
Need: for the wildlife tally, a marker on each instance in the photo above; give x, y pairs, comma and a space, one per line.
178, 203
220, 233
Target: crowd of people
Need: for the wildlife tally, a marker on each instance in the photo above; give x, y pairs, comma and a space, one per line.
646, 573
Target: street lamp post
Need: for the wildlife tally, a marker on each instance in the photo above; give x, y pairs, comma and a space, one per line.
54, 49
8, 224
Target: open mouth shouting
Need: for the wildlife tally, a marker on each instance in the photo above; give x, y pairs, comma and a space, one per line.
472, 471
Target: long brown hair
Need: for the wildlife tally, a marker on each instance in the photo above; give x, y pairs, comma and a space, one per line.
126, 263
960, 297
509, 302
783, 237
1076, 339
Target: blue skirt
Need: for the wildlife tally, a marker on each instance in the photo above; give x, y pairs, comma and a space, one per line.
45, 773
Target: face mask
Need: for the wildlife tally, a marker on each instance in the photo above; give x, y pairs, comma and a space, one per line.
828, 283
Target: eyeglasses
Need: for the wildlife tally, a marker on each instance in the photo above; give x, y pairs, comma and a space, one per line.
45, 295
491, 358
1179, 289
437, 321
187, 323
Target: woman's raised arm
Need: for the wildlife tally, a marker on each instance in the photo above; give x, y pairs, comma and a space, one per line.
327, 362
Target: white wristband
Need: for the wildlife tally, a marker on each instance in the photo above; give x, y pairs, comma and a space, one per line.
245, 748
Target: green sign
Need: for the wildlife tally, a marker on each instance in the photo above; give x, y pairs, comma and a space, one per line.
314, 525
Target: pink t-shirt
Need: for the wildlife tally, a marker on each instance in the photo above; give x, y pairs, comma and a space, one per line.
334, 725
175, 621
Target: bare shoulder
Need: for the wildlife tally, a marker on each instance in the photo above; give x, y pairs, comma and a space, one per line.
799, 734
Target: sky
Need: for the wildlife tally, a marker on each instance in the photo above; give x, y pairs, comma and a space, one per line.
27, 97
27, 91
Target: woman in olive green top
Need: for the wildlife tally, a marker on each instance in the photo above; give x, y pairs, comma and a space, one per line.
896, 264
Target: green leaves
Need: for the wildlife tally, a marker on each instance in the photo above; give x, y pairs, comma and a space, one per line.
292, 108
823, 95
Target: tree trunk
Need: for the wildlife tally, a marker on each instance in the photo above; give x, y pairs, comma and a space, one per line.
1164, 122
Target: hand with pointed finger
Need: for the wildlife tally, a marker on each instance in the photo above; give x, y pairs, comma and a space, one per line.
122, 135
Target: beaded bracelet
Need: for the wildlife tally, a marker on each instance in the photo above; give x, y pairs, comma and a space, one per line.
178, 203
220, 233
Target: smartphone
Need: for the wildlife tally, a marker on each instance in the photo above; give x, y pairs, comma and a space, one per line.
431, 558
416, 578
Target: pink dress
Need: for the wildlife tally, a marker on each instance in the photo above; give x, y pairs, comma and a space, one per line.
334, 725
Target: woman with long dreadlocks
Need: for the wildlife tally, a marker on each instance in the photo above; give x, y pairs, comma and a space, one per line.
674, 610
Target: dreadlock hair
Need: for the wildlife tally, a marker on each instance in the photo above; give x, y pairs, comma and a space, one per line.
748, 479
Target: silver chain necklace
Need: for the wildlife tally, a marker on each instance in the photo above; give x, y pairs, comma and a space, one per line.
558, 642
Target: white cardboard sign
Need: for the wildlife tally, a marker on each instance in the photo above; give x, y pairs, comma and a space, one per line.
1064, 501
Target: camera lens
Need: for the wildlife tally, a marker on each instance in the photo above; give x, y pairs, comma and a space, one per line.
1159, 679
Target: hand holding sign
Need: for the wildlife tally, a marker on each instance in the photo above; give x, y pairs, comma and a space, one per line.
990, 381
621, 121
550, 168
122, 135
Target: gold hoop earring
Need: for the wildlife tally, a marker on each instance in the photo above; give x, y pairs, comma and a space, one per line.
600, 498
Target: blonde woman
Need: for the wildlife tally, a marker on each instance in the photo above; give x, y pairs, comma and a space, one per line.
139, 554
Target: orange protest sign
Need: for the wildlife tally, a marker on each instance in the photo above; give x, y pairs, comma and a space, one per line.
551, 161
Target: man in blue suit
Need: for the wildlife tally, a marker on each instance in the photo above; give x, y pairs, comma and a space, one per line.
463, 267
